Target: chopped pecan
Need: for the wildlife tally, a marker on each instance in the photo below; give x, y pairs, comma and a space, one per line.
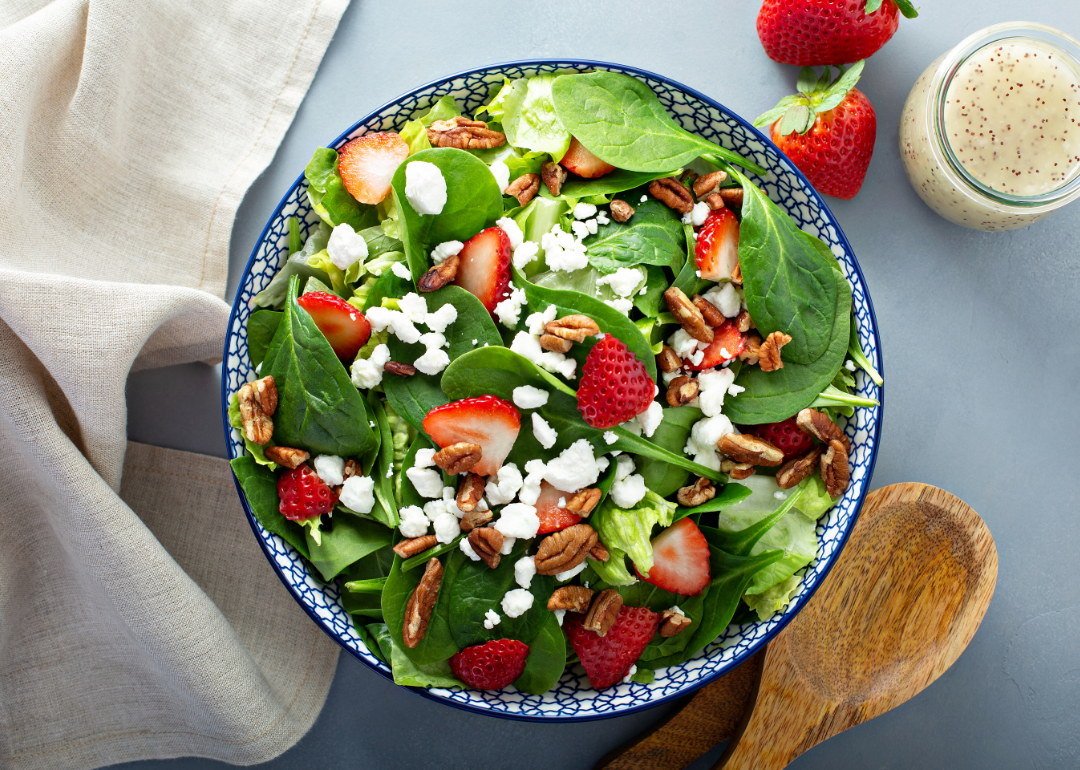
743, 322
818, 425
555, 344
599, 552
400, 369
421, 603
553, 175
698, 493
672, 194
287, 456
524, 188
709, 184
443, 273
834, 469
570, 598
673, 623
744, 448
710, 312
258, 400
583, 502
487, 542
565, 549
668, 360
464, 134
732, 196
736, 275
752, 348
769, 352
573, 327
681, 391
352, 468
415, 545
688, 316
737, 471
458, 458
469, 492
474, 519
798, 468
621, 210
714, 202
603, 612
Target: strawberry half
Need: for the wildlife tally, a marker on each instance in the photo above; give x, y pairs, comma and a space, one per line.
717, 248
484, 269
785, 435
303, 495
345, 327
583, 163
367, 165
680, 559
552, 517
726, 339
813, 32
490, 666
614, 385
607, 659
488, 421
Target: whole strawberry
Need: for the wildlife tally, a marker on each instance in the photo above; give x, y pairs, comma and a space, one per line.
614, 385
490, 666
809, 33
304, 495
606, 659
827, 129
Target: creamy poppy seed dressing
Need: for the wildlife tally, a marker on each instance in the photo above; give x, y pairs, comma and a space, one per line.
1010, 118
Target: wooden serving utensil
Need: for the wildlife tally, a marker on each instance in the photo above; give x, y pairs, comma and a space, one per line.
904, 599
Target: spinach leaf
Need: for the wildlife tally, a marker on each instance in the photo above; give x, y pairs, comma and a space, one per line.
382, 473
475, 588
473, 201
656, 281
260, 489
346, 540
437, 644
653, 236
693, 607
621, 121
547, 659
413, 397
529, 118
295, 244
367, 632
687, 277
410, 674
618, 181
331, 201
319, 409
660, 476
732, 494
261, 328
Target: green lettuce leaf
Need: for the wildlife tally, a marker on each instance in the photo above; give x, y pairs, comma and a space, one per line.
815, 501
274, 294
771, 601
415, 131
256, 451
529, 118
631, 530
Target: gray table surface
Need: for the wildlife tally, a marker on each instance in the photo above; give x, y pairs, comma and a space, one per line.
981, 365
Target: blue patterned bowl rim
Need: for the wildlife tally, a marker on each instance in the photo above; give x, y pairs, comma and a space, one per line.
822, 569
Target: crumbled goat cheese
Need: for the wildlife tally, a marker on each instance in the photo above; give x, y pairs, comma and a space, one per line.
543, 431
425, 187
682, 343
368, 372
401, 270
610, 437
441, 318
734, 390
703, 438
432, 362
624, 306
562, 251
346, 247
632, 425
513, 232
528, 397
698, 214
491, 617
528, 346
624, 466
501, 172
559, 615
504, 486
425, 458
602, 464
574, 469
530, 488
644, 198
651, 418
525, 253
675, 608
518, 520
580, 230
507, 546
509, 310
396, 321
446, 527
330, 469
712, 387
697, 357
584, 211
414, 307
849, 365
358, 494
446, 249
426, 481
413, 521
564, 576
517, 602
623, 281
779, 495
433, 340
628, 492
467, 549
633, 669
667, 377
524, 570
725, 298
602, 218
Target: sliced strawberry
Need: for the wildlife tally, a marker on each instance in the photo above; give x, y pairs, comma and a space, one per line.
303, 495
607, 659
345, 327
367, 165
786, 435
484, 269
485, 420
490, 666
583, 163
552, 517
680, 559
727, 343
717, 249
614, 385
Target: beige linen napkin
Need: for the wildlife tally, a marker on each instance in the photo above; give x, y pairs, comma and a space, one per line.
138, 618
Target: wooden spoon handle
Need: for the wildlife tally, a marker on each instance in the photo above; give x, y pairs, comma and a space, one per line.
712, 716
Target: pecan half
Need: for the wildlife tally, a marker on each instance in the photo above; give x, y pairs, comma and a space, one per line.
555, 344
553, 175
710, 312
583, 502
487, 542
266, 393
798, 468
464, 134
673, 623
474, 519
573, 327
599, 552
688, 316
709, 184
524, 188
752, 348
732, 196
668, 360
603, 612
698, 493
672, 194
458, 458
681, 391
714, 202
744, 448
563, 550
621, 211
469, 492
443, 273
421, 603
743, 322
415, 545
737, 471
400, 369
570, 598
818, 425
258, 400
287, 456
834, 469
769, 352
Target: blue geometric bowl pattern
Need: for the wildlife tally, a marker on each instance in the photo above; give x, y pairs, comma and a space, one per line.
573, 699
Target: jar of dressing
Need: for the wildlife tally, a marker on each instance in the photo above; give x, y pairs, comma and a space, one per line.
989, 133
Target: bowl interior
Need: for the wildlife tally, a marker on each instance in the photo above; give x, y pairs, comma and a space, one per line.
573, 698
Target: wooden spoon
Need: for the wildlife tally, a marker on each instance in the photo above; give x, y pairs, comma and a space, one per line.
904, 599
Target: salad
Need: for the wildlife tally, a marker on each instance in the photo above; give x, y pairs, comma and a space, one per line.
554, 383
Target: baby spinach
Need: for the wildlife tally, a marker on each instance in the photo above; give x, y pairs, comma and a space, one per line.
260, 490
382, 472
261, 328
331, 201
319, 409
547, 659
422, 558
413, 397
662, 477
618, 181
345, 540
855, 352
656, 281
437, 644
653, 236
408, 673
620, 120
730, 495
473, 201
529, 118
693, 607
687, 277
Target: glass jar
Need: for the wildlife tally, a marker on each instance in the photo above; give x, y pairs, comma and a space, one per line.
954, 159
